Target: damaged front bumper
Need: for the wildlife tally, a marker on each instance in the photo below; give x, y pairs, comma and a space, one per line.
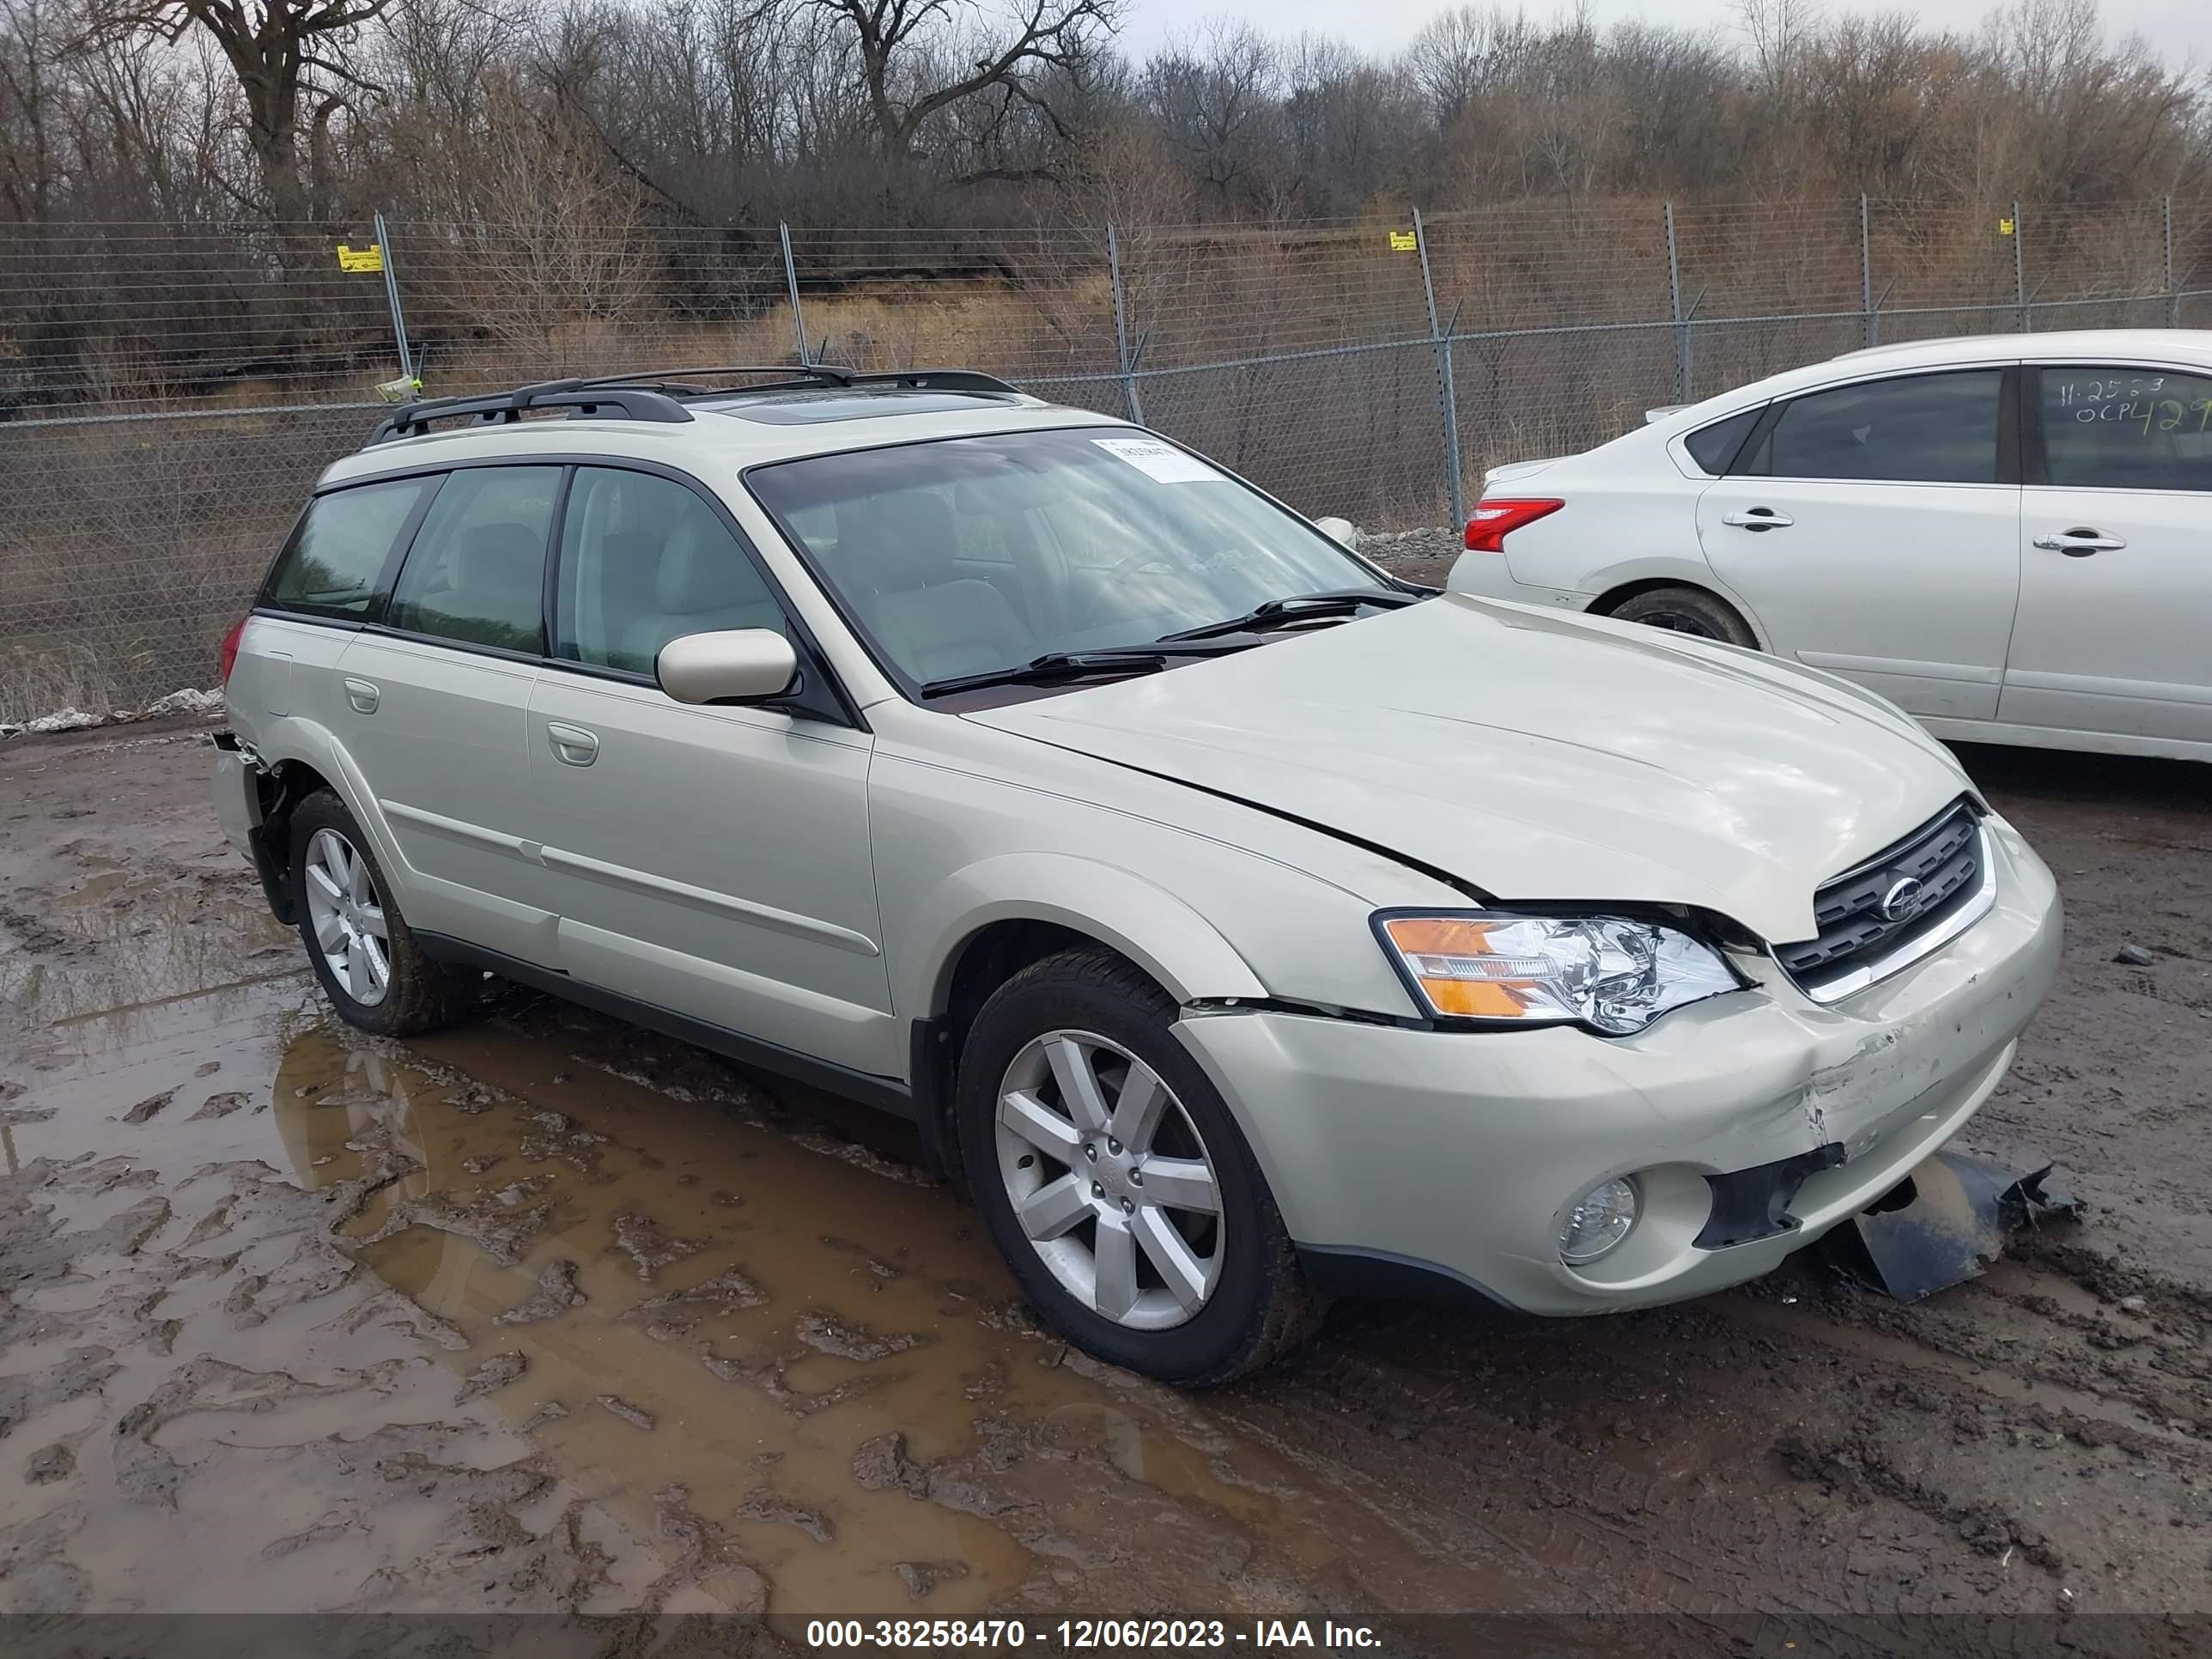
1750, 1124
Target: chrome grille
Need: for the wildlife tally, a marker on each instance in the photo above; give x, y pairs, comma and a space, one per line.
1869, 914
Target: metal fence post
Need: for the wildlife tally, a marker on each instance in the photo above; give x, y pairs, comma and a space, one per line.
1445, 391
399, 314
2020, 272
2173, 290
1872, 325
1685, 378
791, 287
1128, 364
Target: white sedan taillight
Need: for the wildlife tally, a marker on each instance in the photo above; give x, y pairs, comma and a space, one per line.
1492, 521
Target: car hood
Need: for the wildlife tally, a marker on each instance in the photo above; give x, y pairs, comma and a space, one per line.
1535, 756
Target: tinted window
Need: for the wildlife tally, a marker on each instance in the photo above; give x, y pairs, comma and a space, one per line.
1927, 428
2128, 428
477, 571
1714, 446
644, 560
331, 567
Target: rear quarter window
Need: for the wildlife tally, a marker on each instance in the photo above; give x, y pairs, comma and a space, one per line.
1714, 447
330, 566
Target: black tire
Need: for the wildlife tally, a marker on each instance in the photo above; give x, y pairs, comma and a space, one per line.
1689, 611
422, 995
1261, 1308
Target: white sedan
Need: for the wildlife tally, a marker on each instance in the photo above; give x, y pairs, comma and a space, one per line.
2009, 535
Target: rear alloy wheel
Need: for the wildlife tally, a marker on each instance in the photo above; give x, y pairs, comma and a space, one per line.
374, 973
1116, 1182
345, 918
1687, 610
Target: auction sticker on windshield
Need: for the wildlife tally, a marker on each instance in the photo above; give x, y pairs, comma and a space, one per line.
1157, 460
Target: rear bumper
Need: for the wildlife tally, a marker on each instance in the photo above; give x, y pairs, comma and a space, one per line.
233, 794
1455, 1154
234, 791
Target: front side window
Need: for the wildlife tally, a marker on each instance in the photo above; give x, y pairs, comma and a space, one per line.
969, 554
644, 560
1923, 428
2127, 428
331, 567
477, 571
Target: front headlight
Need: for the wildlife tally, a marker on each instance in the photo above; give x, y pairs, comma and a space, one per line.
1613, 974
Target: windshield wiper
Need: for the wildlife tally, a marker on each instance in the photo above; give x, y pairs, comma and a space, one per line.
1075, 666
1340, 601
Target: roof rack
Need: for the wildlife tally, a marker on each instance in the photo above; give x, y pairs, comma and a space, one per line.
586, 397
654, 394
814, 374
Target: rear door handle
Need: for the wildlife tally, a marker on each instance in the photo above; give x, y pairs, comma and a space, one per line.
572, 744
363, 695
1759, 518
2080, 542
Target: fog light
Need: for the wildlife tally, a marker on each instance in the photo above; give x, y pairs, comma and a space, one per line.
1599, 1220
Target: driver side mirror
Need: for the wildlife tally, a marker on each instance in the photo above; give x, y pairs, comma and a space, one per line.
1342, 532
740, 664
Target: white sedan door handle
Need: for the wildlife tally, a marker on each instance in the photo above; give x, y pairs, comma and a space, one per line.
2079, 543
1759, 518
572, 744
363, 695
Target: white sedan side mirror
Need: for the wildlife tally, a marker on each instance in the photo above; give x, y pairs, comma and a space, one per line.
1342, 532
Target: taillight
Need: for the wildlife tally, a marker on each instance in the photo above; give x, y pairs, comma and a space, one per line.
226, 659
1493, 522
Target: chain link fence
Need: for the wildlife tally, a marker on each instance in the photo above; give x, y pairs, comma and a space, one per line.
168, 393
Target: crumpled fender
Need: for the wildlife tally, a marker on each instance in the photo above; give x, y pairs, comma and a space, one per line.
1149, 925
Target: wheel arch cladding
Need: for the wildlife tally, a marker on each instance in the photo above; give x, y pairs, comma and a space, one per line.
1182, 952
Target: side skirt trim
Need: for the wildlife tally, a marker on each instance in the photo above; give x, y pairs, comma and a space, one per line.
886, 1094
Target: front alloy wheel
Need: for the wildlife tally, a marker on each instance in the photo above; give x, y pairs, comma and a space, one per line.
1110, 1181
347, 918
1115, 1181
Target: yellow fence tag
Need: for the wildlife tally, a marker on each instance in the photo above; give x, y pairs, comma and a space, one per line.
1404, 242
369, 259
2004, 226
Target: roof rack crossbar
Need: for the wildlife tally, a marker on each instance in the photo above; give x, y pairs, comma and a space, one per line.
585, 398
650, 395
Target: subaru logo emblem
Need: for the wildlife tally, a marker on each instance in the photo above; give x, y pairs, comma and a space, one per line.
1900, 902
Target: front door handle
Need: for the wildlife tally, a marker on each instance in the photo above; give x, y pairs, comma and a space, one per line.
363, 695
572, 744
1759, 518
2080, 542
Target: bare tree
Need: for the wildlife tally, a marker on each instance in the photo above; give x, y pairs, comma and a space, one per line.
907, 82
288, 59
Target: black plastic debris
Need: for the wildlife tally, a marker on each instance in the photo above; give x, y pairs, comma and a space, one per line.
1944, 1223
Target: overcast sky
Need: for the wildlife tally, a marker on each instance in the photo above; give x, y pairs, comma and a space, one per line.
2179, 29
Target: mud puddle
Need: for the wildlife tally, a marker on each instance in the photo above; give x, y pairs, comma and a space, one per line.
546, 1312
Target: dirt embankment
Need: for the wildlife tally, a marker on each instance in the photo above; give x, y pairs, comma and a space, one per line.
545, 1314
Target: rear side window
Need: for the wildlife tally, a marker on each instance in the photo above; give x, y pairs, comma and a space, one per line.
330, 566
1713, 447
2127, 428
477, 571
1922, 429
644, 560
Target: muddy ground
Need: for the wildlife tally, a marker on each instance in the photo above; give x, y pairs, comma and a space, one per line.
545, 1314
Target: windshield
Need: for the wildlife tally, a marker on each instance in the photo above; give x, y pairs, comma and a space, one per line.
969, 554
